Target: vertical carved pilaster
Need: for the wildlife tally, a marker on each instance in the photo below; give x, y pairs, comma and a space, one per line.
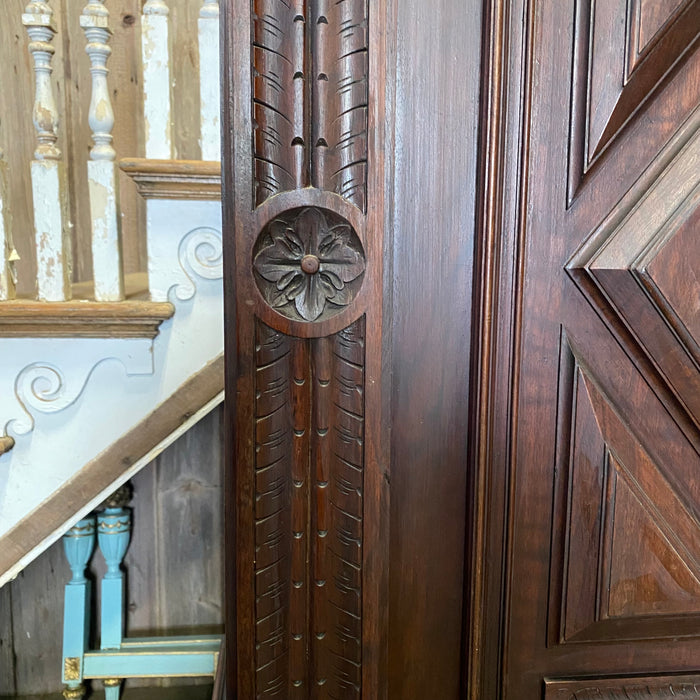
307, 219
102, 175
78, 544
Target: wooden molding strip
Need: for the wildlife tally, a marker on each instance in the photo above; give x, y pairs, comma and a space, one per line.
82, 319
174, 179
118, 463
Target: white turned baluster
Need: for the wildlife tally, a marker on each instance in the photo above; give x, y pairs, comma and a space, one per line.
209, 80
102, 175
48, 176
8, 255
156, 79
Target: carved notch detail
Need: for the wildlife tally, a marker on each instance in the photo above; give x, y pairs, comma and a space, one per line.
310, 95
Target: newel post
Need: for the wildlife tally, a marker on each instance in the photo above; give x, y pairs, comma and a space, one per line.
53, 249
102, 174
8, 255
155, 51
209, 100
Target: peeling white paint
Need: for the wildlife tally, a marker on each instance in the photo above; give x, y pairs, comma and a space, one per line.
156, 82
53, 246
102, 388
208, 22
106, 233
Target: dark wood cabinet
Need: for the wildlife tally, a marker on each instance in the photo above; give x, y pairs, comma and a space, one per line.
463, 330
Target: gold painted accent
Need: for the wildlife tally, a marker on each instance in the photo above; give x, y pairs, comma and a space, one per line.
71, 668
123, 522
87, 529
119, 499
112, 682
74, 693
174, 179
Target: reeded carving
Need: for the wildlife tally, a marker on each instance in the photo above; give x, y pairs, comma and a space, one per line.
309, 101
309, 263
309, 467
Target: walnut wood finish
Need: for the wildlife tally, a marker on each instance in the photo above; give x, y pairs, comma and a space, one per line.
304, 235
586, 492
350, 141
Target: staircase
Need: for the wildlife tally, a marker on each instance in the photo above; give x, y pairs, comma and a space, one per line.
97, 376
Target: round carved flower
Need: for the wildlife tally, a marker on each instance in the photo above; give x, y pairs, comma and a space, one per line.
309, 260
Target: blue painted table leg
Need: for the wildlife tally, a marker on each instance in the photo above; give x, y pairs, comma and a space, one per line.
113, 531
112, 687
78, 544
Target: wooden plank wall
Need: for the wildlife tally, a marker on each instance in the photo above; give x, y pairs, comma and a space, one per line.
72, 81
174, 567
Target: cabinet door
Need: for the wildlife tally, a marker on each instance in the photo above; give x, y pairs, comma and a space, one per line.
601, 471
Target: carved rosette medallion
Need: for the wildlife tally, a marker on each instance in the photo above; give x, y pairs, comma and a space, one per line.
309, 264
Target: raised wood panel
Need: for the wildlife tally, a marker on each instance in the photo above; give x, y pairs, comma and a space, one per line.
643, 687
630, 546
645, 263
617, 66
596, 450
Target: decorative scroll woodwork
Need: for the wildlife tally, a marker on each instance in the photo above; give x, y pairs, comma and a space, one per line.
307, 267
643, 687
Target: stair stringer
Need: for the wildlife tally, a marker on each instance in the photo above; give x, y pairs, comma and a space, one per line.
88, 413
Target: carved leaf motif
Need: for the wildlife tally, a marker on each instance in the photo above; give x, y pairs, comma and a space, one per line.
336, 259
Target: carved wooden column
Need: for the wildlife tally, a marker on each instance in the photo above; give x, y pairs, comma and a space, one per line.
53, 245
102, 174
304, 316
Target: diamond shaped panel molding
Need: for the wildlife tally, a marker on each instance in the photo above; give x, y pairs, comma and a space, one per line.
645, 259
